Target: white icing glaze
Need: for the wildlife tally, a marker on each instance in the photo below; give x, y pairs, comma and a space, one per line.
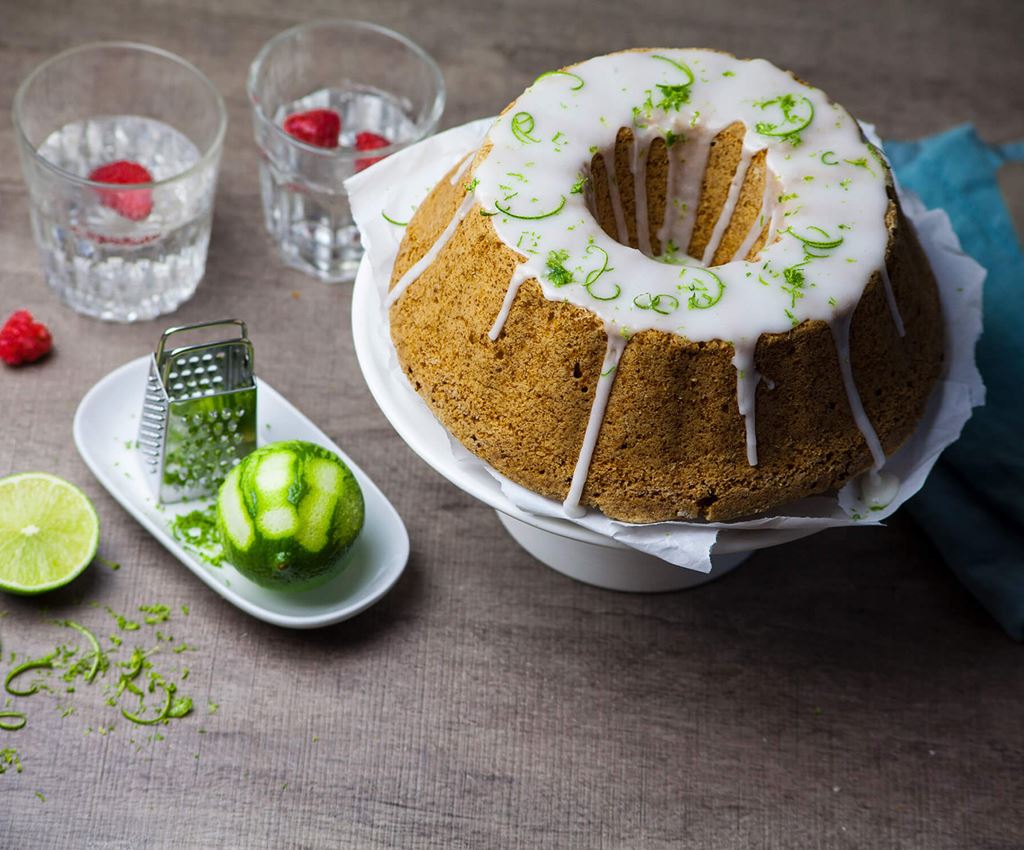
616, 345
521, 274
420, 266
890, 297
725, 90
747, 379
463, 168
841, 335
878, 489
825, 201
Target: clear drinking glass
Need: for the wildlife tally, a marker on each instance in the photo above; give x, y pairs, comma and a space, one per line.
378, 82
137, 250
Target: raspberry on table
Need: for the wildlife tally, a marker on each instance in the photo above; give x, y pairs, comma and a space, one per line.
23, 339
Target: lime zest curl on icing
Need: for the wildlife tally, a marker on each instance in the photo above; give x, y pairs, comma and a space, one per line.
825, 243
548, 214
832, 161
596, 297
679, 65
576, 77
646, 301
793, 121
700, 297
522, 126
594, 275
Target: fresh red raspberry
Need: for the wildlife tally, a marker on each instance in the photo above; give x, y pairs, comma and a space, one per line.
367, 141
317, 127
23, 339
134, 204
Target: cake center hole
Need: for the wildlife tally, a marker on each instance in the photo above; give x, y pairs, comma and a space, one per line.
691, 196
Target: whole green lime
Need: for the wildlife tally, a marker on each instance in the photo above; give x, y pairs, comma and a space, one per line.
288, 513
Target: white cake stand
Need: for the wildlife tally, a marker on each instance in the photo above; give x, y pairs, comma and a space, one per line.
559, 543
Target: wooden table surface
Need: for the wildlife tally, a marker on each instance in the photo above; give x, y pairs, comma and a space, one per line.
839, 692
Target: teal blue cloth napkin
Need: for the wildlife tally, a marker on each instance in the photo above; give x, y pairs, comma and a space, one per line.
972, 506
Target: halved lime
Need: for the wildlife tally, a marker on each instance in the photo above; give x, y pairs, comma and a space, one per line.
49, 532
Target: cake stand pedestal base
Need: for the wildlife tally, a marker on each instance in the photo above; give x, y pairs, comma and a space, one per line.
612, 565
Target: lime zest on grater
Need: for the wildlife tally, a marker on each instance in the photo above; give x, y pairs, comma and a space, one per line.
199, 412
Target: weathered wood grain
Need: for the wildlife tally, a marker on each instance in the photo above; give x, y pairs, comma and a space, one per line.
839, 692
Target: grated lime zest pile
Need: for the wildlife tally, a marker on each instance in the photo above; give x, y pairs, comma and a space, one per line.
197, 532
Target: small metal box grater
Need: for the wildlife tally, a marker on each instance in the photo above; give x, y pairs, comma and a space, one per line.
199, 412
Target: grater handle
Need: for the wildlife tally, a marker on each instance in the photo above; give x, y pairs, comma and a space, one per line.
167, 334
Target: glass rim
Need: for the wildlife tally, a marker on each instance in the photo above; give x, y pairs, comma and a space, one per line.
212, 150
421, 127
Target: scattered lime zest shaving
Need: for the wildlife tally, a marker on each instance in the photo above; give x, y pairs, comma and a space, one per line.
18, 718
181, 707
123, 623
44, 663
157, 613
8, 759
862, 162
197, 530
99, 656
390, 220
164, 710
576, 77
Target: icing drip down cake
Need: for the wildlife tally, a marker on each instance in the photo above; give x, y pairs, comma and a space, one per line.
670, 284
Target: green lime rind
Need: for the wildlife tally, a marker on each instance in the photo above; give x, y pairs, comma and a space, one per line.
49, 533
288, 514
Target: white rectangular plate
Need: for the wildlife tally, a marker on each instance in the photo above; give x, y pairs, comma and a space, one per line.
105, 430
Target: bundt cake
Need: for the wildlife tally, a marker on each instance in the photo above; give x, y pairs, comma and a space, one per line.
670, 284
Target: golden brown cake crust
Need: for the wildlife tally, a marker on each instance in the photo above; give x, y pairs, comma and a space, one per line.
672, 444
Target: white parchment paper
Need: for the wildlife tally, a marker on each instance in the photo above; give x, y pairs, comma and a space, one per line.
393, 188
